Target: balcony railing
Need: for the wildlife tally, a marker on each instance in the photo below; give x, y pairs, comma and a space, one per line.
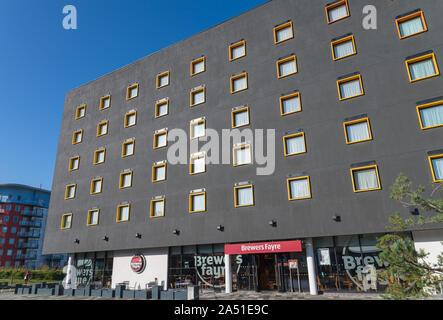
34, 224
19, 257
26, 245
30, 256
33, 213
29, 234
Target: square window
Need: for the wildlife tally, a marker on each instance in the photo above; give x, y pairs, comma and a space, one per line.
96, 185
337, 11
365, 178
242, 155
70, 191
283, 32
161, 108
436, 163
66, 221
198, 66
130, 119
197, 128
286, 67
123, 212
343, 48
160, 139
411, 24
244, 196
80, 112
198, 96
299, 188
125, 180
290, 103
240, 117
102, 128
77, 136
294, 144
197, 202
132, 92
93, 217
350, 87
357, 131
74, 163
105, 102
237, 50
99, 156
423, 67
239, 82
430, 115
163, 79
197, 164
128, 148
157, 208
159, 172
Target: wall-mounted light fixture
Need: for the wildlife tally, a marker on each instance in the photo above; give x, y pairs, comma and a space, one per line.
106, 238
273, 223
336, 218
413, 210
220, 227
176, 232
77, 241
138, 235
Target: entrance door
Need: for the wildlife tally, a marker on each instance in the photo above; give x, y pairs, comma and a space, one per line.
266, 272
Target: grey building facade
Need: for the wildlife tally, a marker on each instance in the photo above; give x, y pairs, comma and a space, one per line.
377, 79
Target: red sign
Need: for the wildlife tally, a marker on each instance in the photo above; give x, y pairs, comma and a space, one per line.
138, 263
264, 247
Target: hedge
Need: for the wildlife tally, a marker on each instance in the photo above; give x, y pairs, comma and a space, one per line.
55, 275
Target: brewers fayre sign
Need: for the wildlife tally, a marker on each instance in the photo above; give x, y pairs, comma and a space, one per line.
138, 263
264, 247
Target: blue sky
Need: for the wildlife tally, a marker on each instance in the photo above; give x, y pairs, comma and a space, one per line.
40, 61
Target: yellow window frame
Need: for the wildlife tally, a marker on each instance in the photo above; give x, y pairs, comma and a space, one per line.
77, 111
158, 105
161, 75
425, 106
436, 156
96, 156
88, 220
156, 135
288, 184
120, 183
340, 41
348, 123
100, 125
132, 113
236, 45
71, 160
74, 135
62, 226
191, 207
128, 91
234, 157
118, 217
154, 176
236, 188
293, 136
283, 26
365, 168
335, 5
193, 92
124, 155
348, 79
240, 110
279, 62
153, 201
67, 188
419, 59
102, 102
287, 97
194, 62
411, 16
233, 78
93, 181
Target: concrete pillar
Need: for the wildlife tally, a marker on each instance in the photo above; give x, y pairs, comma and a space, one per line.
69, 270
228, 274
311, 267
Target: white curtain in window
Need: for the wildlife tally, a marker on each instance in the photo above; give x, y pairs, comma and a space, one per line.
160, 173
287, 68
198, 97
198, 130
103, 129
241, 118
244, 196
437, 164
350, 88
129, 148
239, 84
131, 120
337, 13
81, 112
132, 93
199, 165
71, 192
299, 188
199, 67
97, 186
343, 49
126, 180
422, 69
243, 155
365, 179
124, 213
432, 116
94, 217
78, 137
100, 156
162, 109
238, 52
411, 26
107, 100
291, 104
164, 80
158, 208
68, 220
295, 145
198, 202
283, 34
358, 131
161, 140
75, 164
